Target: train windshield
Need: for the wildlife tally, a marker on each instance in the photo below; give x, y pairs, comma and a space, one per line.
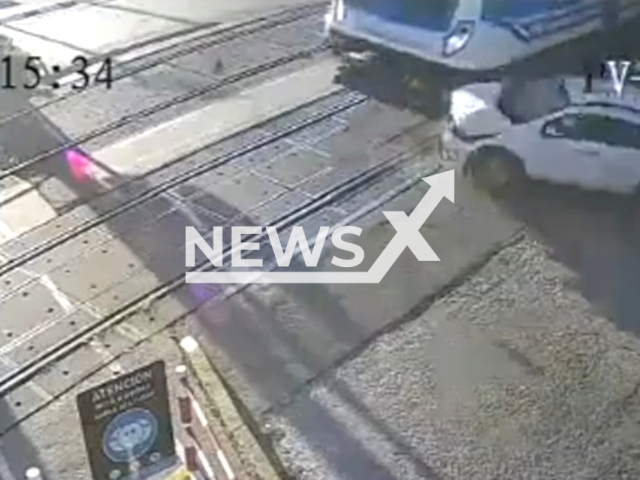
430, 14
523, 8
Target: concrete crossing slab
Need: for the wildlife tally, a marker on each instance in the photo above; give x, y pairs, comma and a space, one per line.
91, 29
159, 145
22, 208
11, 10
201, 10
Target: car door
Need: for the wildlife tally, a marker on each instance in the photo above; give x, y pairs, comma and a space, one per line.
567, 149
621, 162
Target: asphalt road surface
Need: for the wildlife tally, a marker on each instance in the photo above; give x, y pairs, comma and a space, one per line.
515, 356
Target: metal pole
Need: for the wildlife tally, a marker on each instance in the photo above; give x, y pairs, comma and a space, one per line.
186, 419
182, 372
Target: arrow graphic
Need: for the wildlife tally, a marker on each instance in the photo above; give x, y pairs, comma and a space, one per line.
442, 185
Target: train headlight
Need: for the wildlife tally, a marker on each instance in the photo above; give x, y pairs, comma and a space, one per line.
458, 38
339, 10
336, 13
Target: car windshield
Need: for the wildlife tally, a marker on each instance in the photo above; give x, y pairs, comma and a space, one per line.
525, 100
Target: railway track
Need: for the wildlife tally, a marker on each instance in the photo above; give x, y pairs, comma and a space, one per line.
48, 245
111, 322
57, 352
166, 54
165, 105
132, 199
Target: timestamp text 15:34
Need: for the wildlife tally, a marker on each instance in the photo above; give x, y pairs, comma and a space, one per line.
32, 72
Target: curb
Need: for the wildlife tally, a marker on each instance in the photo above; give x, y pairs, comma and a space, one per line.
220, 405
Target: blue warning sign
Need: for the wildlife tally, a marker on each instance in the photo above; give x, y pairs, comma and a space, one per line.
130, 435
127, 425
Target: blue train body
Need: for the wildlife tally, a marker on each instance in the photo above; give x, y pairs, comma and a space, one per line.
473, 34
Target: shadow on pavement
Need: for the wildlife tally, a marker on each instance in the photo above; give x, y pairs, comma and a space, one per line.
594, 235
271, 354
381, 81
278, 352
16, 449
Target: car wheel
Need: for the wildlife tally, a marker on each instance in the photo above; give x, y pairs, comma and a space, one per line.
497, 171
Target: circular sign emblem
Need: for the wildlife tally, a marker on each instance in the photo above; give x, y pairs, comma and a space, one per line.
130, 435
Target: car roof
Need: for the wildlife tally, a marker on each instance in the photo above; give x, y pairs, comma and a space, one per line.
607, 108
603, 95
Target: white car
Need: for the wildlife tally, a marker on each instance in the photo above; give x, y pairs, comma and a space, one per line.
548, 129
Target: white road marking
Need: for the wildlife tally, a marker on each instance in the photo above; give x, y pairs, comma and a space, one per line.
62, 299
206, 465
199, 413
225, 465
130, 332
37, 389
22, 208
42, 327
180, 451
6, 232
25, 337
31, 9
27, 209
68, 306
182, 206
303, 146
166, 142
41, 392
107, 356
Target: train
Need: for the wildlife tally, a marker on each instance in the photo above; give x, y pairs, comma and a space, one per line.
469, 35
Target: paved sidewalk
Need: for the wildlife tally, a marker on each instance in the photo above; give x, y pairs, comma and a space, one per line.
512, 375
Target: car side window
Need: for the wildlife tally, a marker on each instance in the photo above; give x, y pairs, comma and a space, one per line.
621, 133
633, 135
594, 128
565, 126
602, 129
